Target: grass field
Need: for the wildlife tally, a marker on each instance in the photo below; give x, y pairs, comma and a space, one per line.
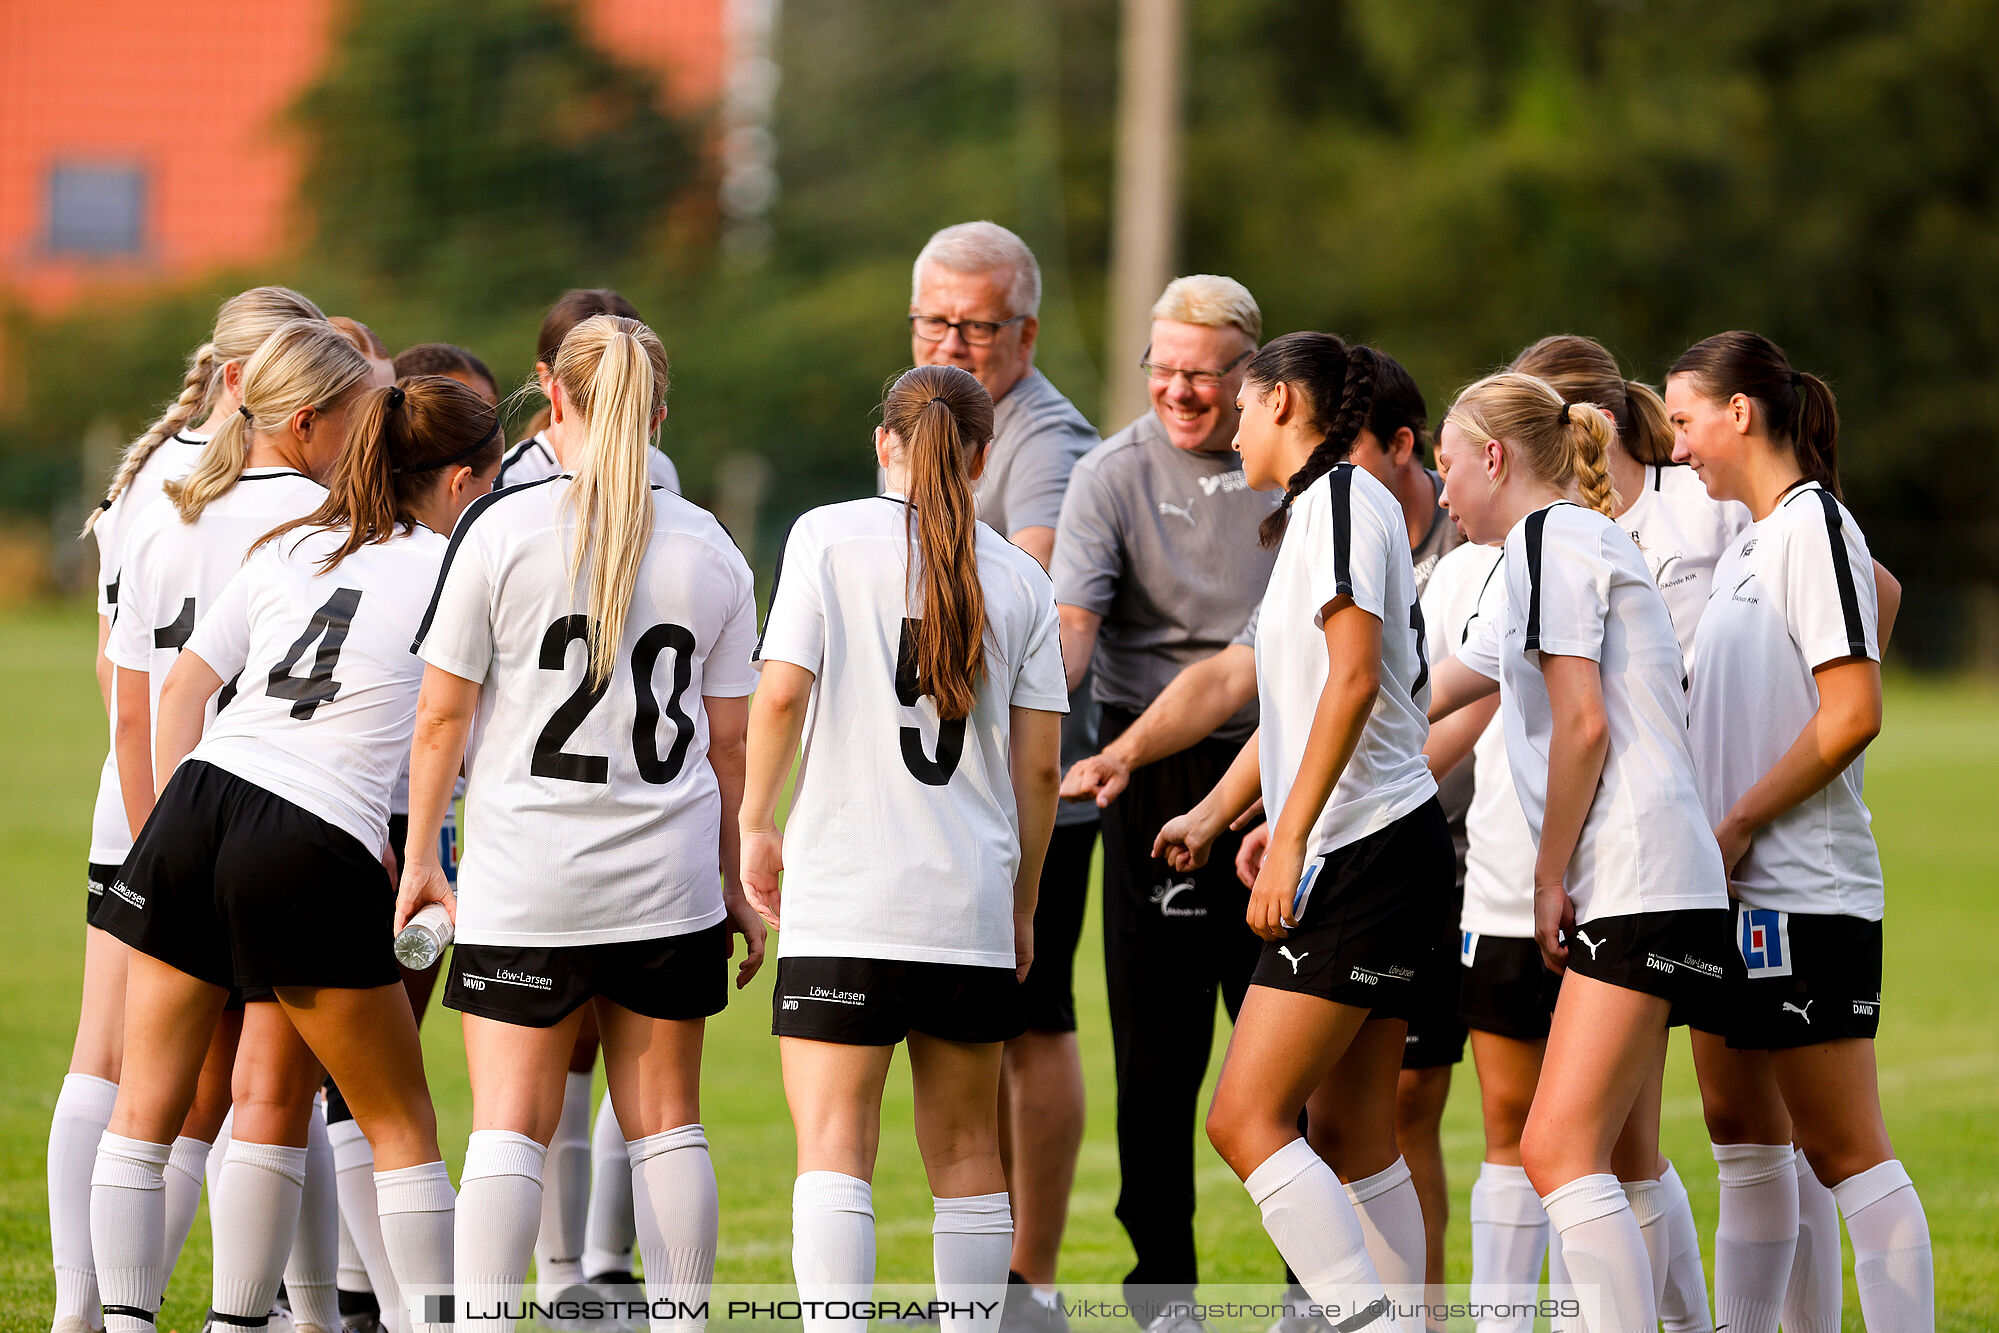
1931, 780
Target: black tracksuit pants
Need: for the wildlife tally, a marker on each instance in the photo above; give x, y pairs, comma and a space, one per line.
1171, 941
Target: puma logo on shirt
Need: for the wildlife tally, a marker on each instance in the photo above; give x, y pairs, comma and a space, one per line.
1293, 958
1185, 511
1594, 945
1801, 1013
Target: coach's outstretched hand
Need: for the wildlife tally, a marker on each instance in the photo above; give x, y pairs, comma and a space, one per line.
763, 868
1099, 778
423, 884
1187, 839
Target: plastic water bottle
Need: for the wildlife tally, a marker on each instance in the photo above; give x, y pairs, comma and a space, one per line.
423, 940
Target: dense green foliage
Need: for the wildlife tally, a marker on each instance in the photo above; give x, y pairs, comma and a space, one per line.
1448, 178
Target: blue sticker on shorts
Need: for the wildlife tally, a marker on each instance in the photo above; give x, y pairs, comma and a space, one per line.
1764, 936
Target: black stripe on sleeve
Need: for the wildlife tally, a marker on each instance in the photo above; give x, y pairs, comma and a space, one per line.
500, 478
1536, 521
777, 576
464, 525
1842, 569
1339, 488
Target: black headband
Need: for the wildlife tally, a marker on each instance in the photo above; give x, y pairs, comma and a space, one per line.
459, 457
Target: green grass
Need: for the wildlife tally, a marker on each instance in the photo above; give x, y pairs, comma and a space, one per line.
1931, 780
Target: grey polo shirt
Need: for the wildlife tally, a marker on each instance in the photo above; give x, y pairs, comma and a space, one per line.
1037, 437
1161, 542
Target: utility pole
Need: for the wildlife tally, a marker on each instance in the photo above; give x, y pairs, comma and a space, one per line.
1146, 208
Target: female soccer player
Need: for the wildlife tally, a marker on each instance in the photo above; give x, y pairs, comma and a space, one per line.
1359, 860
259, 469
261, 864
1786, 695
1592, 679
922, 652
547, 451
603, 786
211, 393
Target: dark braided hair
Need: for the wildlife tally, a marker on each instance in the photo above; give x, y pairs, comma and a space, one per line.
1337, 382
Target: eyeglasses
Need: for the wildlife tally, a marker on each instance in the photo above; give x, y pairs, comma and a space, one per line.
975, 332
1197, 379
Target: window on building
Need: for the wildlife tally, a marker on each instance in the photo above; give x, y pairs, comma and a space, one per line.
96, 209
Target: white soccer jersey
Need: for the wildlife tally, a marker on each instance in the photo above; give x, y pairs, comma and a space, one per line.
1793, 593
903, 836
1346, 537
533, 459
173, 571
1576, 586
110, 834
326, 700
1468, 590
590, 817
1682, 531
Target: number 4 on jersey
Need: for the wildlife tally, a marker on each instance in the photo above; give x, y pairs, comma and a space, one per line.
329, 626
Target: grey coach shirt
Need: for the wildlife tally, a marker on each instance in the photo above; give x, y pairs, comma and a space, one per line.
1037, 437
1161, 542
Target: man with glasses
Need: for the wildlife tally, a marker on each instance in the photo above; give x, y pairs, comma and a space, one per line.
974, 293
1157, 566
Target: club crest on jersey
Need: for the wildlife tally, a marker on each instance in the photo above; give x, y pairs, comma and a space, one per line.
1764, 937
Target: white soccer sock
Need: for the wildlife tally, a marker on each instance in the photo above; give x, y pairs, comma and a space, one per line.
312, 1273
1311, 1221
1391, 1221
218, 1153
1892, 1265
416, 1207
127, 1221
1509, 1234
1756, 1235
1683, 1307
186, 1169
565, 1192
1603, 1249
833, 1244
1648, 1209
254, 1217
679, 1218
1558, 1278
971, 1241
610, 1230
1813, 1299
83, 1109
361, 1223
499, 1211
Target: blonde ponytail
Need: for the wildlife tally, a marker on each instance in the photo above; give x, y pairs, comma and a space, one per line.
305, 363
241, 326
1562, 443
613, 372
943, 418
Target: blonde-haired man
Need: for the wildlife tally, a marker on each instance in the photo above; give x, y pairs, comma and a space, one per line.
1157, 566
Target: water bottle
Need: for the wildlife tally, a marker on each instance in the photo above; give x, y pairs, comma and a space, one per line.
422, 941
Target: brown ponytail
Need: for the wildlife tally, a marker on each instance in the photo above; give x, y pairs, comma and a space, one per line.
1583, 371
1798, 408
944, 418
401, 443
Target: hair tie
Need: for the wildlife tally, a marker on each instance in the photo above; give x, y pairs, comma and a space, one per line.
396, 395
246, 415
1796, 379
1565, 414
937, 398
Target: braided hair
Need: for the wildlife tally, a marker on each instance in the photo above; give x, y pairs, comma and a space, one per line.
241, 326
1337, 383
